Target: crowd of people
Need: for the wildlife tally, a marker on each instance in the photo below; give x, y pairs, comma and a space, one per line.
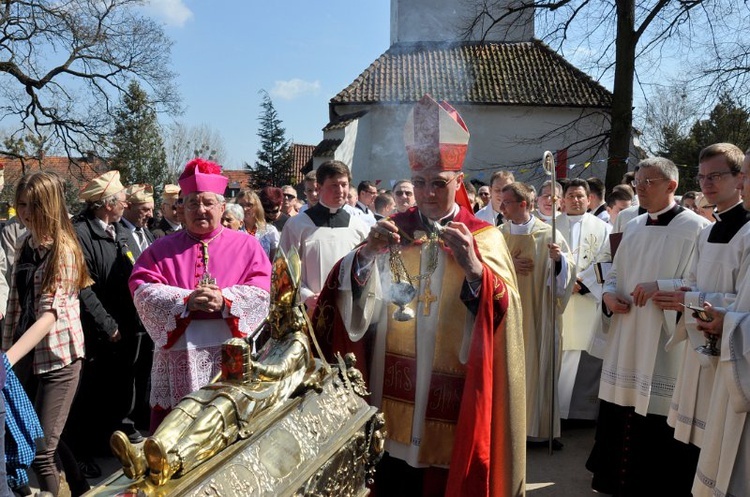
485, 315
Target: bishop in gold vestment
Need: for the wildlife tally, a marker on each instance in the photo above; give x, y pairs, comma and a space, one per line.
450, 380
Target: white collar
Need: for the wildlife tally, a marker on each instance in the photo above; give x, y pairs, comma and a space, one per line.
452, 213
543, 216
332, 210
575, 219
102, 224
521, 229
717, 215
655, 215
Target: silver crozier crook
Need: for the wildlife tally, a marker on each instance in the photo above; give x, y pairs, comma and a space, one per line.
548, 163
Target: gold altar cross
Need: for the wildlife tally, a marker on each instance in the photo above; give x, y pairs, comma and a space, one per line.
427, 298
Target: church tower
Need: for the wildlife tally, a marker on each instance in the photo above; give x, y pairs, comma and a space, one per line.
448, 20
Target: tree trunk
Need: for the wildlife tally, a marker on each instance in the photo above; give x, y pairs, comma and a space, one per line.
622, 99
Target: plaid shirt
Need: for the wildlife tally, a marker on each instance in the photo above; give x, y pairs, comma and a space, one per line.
64, 343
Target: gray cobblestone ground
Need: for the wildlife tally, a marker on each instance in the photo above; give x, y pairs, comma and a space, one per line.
563, 473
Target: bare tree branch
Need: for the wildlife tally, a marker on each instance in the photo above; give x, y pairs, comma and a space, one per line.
619, 35
64, 65
183, 142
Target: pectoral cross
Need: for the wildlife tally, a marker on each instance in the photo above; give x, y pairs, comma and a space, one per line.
427, 298
207, 279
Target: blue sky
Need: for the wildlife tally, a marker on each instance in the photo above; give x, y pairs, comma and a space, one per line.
302, 52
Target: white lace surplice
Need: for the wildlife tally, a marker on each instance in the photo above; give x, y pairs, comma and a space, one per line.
194, 359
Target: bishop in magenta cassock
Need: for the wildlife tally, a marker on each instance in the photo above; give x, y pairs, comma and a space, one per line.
196, 288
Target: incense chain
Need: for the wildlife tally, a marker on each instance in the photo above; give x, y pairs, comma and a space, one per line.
398, 269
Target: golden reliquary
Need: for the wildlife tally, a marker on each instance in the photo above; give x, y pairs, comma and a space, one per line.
281, 423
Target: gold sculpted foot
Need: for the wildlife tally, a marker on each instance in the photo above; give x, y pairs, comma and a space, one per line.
130, 456
160, 469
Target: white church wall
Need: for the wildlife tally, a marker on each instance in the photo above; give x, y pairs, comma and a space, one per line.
380, 154
335, 134
509, 137
362, 144
345, 151
446, 20
317, 161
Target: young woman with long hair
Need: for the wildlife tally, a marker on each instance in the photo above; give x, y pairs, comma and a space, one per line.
44, 312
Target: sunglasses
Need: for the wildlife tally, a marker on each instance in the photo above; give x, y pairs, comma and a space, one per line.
289, 196
436, 184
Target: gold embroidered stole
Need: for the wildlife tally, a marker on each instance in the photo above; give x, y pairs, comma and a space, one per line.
447, 379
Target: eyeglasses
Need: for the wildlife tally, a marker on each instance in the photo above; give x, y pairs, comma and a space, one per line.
289, 196
403, 193
194, 206
436, 184
713, 177
647, 182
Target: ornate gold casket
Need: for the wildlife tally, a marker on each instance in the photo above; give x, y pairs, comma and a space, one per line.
317, 444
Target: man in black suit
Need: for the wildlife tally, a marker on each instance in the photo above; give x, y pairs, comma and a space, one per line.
139, 208
117, 346
385, 205
366, 193
170, 220
139, 200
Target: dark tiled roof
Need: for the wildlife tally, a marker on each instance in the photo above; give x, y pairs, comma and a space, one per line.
527, 73
239, 177
301, 154
79, 170
342, 122
326, 148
